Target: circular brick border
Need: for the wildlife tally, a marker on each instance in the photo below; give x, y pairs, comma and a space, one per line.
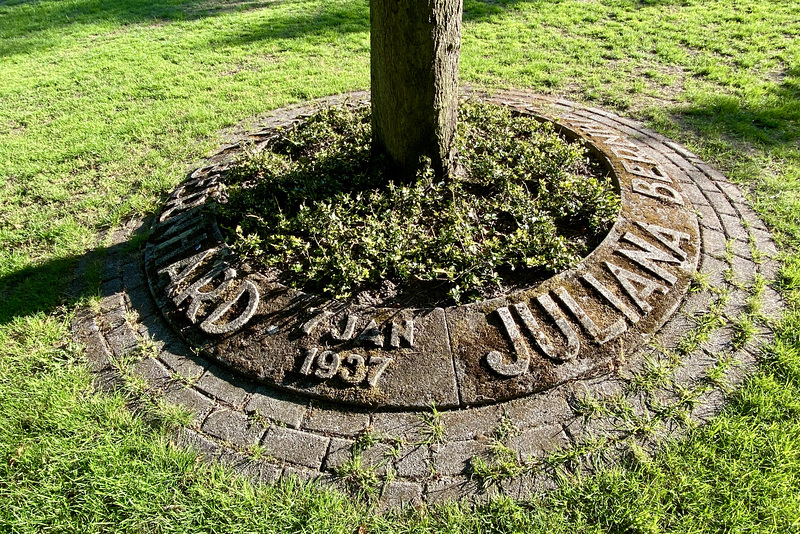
513, 447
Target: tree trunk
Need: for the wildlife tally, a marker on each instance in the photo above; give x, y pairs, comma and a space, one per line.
415, 46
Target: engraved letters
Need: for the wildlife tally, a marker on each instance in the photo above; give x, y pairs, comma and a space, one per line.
247, 288
660, 191
405, 333
636, 286
351, 368
180, 230
370, 333
495, 360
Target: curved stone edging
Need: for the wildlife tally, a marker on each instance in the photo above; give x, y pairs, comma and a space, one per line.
573, 325
423, 456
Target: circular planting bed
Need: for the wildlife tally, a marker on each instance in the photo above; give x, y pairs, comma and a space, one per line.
325, 221
420, 375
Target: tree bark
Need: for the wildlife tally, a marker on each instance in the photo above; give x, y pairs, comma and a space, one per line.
415, 46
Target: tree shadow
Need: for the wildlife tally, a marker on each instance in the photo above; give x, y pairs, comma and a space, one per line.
26, 25
67, 281
481, 10
773, 122
35, 289
340, 18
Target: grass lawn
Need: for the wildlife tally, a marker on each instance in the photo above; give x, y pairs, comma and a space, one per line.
104, 104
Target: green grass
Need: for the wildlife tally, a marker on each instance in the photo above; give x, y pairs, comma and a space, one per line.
103, 107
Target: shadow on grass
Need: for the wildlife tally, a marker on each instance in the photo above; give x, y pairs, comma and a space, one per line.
63, 281
772, 122
35, 289
25, 26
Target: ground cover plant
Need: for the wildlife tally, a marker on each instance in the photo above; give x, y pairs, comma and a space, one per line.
103, 105
315, 206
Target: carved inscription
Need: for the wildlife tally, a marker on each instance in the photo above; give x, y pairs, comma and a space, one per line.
350, 368
635, 286
203, 279
188, 196
652, 182
392, 335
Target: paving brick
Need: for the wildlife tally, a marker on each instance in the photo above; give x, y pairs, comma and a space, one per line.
453, 458
744, 270
277, 408
733, 227
340, 451
398, 494
190, 399
132, 275
122, 340
737, 303
721, 204
257, 470
769, 269
709, 405
741, 249
141, 302
97, 354
233, 427
595, 388
83, 322
733, 193
153, 371
178, 358
680, 149
705, 184
119, 236
537, 410
713, 270
296, 446
190, 439
469, 423
693, 368
527, 486
697, 303
772, 304
378, 457
111, 286
448, 489
673, 330
114, 318
719, 341
708, 217
764, 242
414, 462
713, 242
752, 218
336, 421
112, 268
111, 302
223, 386
694, 194
406, 426
538, 441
